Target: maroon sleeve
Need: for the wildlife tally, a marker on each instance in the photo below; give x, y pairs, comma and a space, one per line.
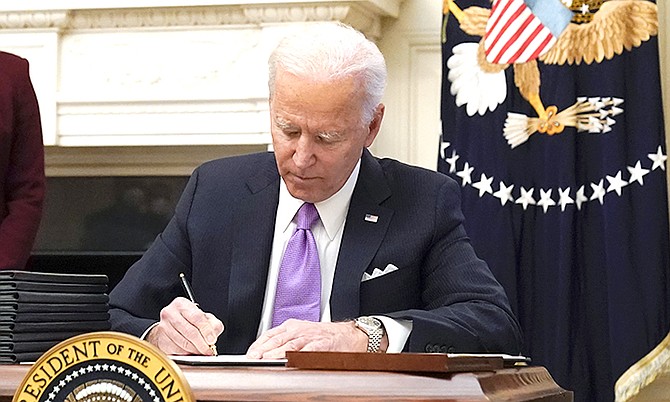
22, 181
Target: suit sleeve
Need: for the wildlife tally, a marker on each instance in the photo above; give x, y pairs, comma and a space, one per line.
24, 181
465, 309
153, 281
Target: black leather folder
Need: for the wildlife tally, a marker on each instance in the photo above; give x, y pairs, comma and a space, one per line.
38, 336
88, 326
16, 307
52, 287
52, 277
46, 297
11, 358
53, 317
23, 347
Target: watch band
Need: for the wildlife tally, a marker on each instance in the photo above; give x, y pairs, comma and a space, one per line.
374, 329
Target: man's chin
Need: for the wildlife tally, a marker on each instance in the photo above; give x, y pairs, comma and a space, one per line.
301, 195
305, 193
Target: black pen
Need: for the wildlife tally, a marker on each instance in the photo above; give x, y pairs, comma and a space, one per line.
191, 297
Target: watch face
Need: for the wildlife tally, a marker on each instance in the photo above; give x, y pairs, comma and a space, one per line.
369, 323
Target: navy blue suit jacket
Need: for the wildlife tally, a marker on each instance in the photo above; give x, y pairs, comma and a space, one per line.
221, 238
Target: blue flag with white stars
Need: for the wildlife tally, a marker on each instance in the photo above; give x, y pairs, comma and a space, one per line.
562, 163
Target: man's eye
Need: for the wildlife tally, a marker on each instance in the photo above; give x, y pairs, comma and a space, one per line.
291, 133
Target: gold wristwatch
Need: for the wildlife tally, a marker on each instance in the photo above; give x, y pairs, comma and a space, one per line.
374, 329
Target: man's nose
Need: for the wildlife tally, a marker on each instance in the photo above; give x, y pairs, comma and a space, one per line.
304, 152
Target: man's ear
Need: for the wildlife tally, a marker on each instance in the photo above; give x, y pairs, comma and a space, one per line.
375, 124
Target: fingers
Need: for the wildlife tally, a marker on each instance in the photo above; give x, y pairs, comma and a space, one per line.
274, 343
217, 328
185, 329
295, 335
262, 344
212, 329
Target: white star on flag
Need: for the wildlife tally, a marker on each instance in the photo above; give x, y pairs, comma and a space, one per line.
637, 173
616, 183
598, 191
564, 198
545, 200
505, 193
658, 158
484, 185
452, 161
526, 198
466, 174
580, 198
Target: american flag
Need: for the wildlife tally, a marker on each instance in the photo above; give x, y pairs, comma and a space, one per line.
522, 30
574, 226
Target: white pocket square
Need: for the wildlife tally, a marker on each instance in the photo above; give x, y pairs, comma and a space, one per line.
376, 273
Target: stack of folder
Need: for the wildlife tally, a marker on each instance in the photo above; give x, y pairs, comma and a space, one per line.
39, 310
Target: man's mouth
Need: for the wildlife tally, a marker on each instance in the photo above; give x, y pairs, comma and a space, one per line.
302, 179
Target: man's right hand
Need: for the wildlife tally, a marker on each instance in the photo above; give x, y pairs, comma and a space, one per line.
184, 329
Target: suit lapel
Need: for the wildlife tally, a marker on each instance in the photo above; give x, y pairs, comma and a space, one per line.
250, 259
361, 239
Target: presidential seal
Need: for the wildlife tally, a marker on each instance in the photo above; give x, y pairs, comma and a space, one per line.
104, 367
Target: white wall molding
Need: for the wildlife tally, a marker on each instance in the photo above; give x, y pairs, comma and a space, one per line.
136, 160
164, 122
353, 14
21, 20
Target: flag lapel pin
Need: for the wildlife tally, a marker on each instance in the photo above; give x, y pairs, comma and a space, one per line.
371, 218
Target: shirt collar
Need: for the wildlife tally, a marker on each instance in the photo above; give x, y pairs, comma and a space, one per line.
332, 211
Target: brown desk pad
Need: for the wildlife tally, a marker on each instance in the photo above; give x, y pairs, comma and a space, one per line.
398, 362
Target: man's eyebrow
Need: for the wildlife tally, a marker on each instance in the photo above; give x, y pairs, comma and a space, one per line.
330, 135
282, 123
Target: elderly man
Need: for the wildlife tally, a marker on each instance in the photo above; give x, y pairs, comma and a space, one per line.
319, 245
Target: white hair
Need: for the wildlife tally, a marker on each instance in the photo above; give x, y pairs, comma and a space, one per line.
332, 51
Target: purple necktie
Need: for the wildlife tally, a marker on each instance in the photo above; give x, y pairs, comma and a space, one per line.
299, 282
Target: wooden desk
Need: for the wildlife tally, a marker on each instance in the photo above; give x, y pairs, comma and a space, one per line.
212, 384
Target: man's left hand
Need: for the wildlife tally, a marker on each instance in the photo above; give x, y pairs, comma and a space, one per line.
294, 335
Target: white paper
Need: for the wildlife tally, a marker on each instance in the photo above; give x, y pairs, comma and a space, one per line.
226, 360
506, 358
